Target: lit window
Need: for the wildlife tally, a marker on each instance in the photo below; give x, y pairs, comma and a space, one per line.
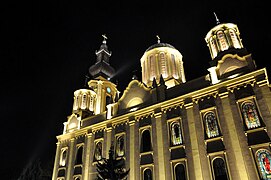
213, 47
98, 152
120, 146
210, 124
234, 39
176, 135
263, 159
63, 157
222, 41
250, 115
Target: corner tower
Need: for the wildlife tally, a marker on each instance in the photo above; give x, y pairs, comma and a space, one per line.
229, 57
162, 59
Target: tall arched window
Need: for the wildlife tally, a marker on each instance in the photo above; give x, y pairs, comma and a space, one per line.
180, 172
63, 157
146, 141
120, 146
213, 47
234, 39
263, 158
220, 170
152, 67
211, 126
222, 41
79, 156
98, 151
250, 115
163, 65
176, 135
147, 174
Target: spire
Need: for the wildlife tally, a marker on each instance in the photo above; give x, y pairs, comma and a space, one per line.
162, 81
216, 18
154, 84
102, 66
86, 81
158, 39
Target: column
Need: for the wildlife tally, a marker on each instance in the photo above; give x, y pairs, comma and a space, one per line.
132, 150
87, 162
108, 140
56, 164
160, 146
232, 142
70, 161
197, 168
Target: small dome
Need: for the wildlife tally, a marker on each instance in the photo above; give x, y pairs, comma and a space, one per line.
162, 59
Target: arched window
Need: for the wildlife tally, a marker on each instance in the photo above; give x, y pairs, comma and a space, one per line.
263, 158
222, 41
79, 156
163, 65
146, 141
180, 172
84, 101
76, 102
234, 39
152, 67
250, 115
98, 151
147, 174
108, 100
63, 157
220, 171
174, 66
210, 124
213, 47
176, 135
120, 146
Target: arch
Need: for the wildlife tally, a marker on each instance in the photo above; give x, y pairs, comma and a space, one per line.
63, 157
98, 151
219, 169
176, 135
250, 115
263, 158
147, 174
179, 171
134, 101
120, 146
79, 155
146, 144
234, 39
222, 40
210, 124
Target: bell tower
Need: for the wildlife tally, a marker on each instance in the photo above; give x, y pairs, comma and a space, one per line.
102, 72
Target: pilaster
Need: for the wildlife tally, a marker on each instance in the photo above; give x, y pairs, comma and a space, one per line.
71, 159
56, 163
87, 157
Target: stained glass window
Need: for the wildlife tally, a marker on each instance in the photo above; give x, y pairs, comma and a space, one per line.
176, 136
98, 151
211, 126
250, 115
120, 146
263, 158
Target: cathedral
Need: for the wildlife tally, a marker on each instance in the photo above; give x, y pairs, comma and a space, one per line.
214, 127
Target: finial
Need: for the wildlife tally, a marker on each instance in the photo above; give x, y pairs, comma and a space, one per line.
216, 18
158, 39
105, 38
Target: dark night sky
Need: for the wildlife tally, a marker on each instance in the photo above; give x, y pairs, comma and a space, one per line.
47, 48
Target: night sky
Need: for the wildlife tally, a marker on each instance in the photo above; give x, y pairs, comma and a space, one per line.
47, 48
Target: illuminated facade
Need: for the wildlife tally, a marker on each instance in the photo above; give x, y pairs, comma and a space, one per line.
217, 126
